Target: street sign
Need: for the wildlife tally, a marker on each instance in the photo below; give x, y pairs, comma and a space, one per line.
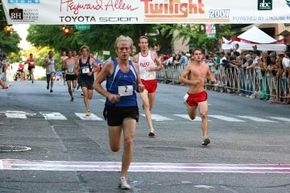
106, 52
83, 27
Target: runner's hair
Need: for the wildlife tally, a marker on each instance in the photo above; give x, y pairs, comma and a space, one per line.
124, 38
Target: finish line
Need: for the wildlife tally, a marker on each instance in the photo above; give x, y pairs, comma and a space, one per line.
38, 165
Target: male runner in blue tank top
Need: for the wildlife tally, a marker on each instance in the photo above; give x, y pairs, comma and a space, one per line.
121, 108
85, 68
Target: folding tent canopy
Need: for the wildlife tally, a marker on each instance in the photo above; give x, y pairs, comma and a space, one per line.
254, 36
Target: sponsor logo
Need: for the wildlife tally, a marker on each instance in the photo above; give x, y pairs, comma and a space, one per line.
23, 1
16, 14
265, 5
288, 2
92, 19
173, 8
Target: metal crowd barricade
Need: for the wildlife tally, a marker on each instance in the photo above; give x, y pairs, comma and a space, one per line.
252, 83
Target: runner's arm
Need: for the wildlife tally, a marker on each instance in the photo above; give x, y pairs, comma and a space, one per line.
210, 77
76, 68
183, 77
140, 86
106, 71
157, 62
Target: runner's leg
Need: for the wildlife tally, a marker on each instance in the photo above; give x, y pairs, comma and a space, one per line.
129, 128
145, 98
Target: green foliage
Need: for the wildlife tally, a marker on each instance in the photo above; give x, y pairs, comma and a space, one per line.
8, 43
102, 37
53, 36
13, 57
98, 38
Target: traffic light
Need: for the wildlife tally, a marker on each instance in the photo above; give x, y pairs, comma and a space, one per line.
8, 29
67, 30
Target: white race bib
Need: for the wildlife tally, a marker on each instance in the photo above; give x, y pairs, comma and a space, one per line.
85, 70
125, 90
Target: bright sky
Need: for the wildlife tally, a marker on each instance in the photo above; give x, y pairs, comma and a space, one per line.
22, 31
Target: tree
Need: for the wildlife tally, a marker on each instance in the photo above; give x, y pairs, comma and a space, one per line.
53, 37
98, 38
9, 42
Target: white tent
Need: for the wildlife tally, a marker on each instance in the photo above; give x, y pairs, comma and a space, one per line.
254, 36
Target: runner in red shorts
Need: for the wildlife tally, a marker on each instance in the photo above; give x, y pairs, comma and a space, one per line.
195, 74
149, 63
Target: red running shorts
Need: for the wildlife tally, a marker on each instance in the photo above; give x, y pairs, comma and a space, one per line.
150, 85
192, 99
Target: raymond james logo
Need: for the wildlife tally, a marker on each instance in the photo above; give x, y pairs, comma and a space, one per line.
265, 5
23, 1
288, 2
16, 14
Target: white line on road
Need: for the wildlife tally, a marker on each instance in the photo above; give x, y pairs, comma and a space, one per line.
257, 119
157, 117
185, 116
53, 116
38, 165
281, 119
226, 118
17, 114
92, 117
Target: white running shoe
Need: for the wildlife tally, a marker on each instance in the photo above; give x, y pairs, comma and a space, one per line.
124, 184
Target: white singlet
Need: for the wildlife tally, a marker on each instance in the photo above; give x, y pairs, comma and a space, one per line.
146, 62
70, 62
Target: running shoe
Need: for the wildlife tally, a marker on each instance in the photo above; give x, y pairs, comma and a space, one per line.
151, 134
51, 90
205, 142
124, 184
72, 99
88, 113
47, 87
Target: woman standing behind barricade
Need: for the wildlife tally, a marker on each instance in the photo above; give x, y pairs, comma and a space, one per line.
85, 68
271, 73
121, 108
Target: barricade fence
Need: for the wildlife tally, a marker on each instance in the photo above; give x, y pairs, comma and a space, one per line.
252, 83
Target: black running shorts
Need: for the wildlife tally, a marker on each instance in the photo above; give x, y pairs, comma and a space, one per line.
116, 115
87, 83
70, 77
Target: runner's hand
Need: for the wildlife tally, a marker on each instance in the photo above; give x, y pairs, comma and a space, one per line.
140, 88
113, 98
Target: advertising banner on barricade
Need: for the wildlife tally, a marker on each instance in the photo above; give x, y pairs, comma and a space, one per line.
72, 12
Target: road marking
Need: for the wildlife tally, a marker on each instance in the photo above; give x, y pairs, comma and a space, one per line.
39, 165
53, 116
281, 119
92, 117
157, 117
185, 116
257, 119
17, 114
226, 118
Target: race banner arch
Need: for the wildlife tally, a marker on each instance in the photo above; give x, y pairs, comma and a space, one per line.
71, 12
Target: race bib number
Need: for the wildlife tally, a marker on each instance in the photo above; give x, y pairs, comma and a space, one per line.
85, 70
125, 90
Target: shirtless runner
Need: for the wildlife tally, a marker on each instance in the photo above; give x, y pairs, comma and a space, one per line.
194, 75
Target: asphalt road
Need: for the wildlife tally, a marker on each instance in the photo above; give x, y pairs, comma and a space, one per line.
249, 152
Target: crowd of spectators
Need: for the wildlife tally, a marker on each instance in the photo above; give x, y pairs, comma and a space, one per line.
254, 74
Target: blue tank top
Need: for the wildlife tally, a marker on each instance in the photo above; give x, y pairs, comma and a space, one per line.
85, 68
123, 84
